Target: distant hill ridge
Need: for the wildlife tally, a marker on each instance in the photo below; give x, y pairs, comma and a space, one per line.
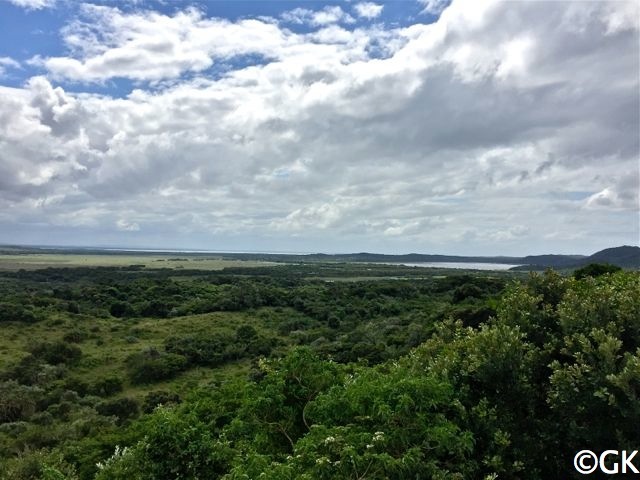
620, 256
625, 257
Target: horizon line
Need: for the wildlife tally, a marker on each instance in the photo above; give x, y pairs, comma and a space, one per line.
271, 252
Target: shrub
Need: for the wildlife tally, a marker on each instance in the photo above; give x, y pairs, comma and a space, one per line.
75, 384
158, 397
123, 408
151, 366
107, 386
40, 465
465, 291
57, 352
30, 370
595, 270
10, 312
333, 321
472, 315
75, 336
42, 418
73, 307
211, 350
260, 346
245, 333
17, 402
291, 325
154, 308
175, 446
120, 309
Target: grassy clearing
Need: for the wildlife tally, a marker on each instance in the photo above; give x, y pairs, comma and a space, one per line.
110, 341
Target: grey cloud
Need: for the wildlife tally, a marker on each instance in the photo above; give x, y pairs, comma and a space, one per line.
59, 112
546, 165
419, 148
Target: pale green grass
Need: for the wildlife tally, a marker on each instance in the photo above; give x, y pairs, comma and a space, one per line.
112, 340
34, 261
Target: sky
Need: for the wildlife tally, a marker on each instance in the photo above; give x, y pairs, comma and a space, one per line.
428, 126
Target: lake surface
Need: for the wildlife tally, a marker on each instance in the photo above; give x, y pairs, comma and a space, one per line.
459, 265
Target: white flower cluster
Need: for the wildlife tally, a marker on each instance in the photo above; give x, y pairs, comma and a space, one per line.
117, 455
377, 437
264, 365
329, 440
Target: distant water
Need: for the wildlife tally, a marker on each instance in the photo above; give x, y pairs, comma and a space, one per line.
460, 265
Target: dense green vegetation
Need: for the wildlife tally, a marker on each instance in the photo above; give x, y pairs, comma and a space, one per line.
277, 372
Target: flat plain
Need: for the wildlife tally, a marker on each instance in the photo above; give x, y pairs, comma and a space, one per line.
34, 261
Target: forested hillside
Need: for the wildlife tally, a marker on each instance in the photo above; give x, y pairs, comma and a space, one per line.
128, 373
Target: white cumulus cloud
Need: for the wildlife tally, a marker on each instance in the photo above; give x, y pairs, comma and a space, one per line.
34, 4
325, 16
7, 63
126, 226
368, 9
434, 7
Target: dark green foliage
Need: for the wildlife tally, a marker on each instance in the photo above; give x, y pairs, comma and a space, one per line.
31, 370
333, 321
73, 307
384, 421
472, 315
465, 291
211, 350
246, 333
120, 309
159, 397
151, 366
259, 346
123, 408
217, 349
293, 324
154, 308
40, 465
76, 385
57, 352
17, 402
75, 336
176, 446
105, 387
277, 407
595, 270
10, 312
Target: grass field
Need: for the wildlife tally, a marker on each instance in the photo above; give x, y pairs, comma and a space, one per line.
33, 261
110, 342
